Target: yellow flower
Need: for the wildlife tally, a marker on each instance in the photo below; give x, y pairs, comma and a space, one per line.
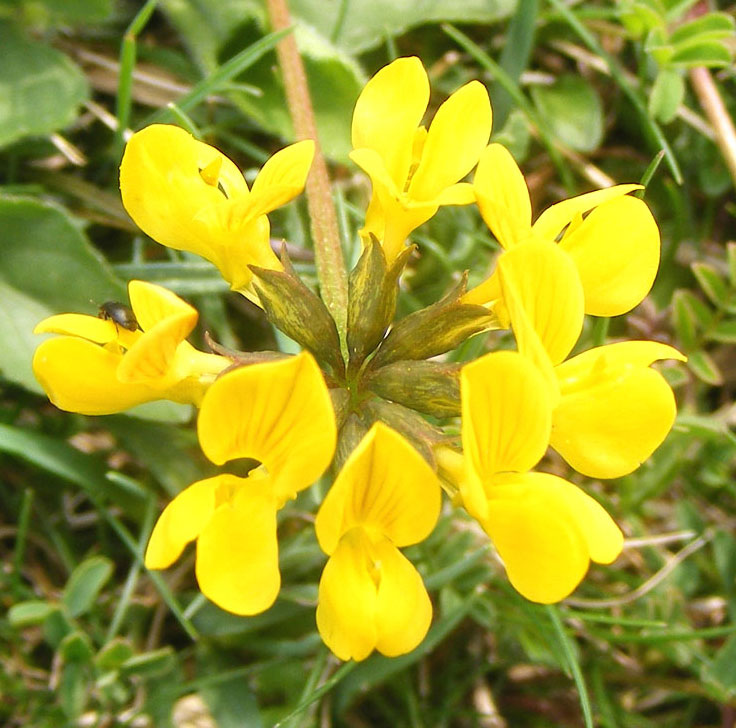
610, 411
189, 196
414, 171
545, 529
280, 414
614, 251
99, 367
370, 596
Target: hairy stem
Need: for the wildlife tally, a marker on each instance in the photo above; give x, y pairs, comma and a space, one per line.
328, 253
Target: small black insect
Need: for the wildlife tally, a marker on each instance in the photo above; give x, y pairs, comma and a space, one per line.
119, 314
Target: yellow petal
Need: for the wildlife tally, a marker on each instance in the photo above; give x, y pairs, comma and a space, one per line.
614, 411
282, 177
551, 222
540, 279
390, 217
237, 563
279, 413
152, 356
182, 521
163, 189
488, 292
633, 353
403, 609
503, 197
152, 304
385, 486
506, 414
346, 612
87, 327
460, 194
546, 531
458, 134
616, 252
388, 112
79, 376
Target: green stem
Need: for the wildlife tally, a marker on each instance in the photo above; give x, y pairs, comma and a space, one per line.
328, 252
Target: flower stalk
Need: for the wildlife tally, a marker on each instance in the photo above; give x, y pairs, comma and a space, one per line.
328, 252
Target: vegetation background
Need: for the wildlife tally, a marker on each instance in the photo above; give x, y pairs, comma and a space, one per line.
584, 93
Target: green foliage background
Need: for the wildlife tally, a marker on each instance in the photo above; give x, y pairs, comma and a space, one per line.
582, 93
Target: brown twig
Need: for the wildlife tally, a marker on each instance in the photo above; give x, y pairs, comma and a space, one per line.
714, 108
328, 253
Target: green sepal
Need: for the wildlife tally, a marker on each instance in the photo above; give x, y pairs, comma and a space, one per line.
340, 404
408, 423
372, 300
434, 330
430, 387
298, 312
351, 433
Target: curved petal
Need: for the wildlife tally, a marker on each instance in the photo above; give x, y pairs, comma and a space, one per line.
622, 353
506, 414
152, 304
282, 177
609, 422
487, 293
551, 222
461, 193
388, 112
346, 612
458, 134
546, 531
182, 521
403, 609
152, 356
540, 279
503, 197
163, 187
79, 376
616, 252
386, 487
87, 327
237, 563
279, 413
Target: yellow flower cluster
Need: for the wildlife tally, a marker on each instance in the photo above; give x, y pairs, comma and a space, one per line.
604, 410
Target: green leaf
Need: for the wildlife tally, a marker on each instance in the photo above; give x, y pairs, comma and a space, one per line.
712, 283
43, 251
64, 461
231, 702
721, 673
666, 95
28, 613
76, 647
40, 87
712, 54
573, 112
713, 26
150, 664
73, 689
79, 11
731, 254
113, 654
85, 583
724, 552
723, 331
704, 368
689, 314
639, 17
358, 25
